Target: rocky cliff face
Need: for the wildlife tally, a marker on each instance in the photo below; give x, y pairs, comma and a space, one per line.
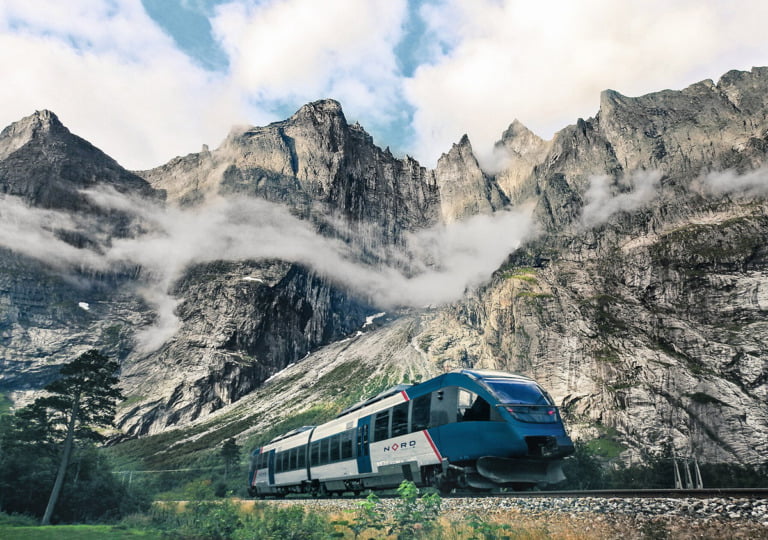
641, 305
318, 165
465, 190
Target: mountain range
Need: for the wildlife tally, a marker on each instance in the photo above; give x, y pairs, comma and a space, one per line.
298, 266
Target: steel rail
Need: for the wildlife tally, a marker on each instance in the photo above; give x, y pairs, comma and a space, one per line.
705, 493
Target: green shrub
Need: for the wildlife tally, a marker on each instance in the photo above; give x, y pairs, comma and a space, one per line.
292, 523
369, 515
414, 516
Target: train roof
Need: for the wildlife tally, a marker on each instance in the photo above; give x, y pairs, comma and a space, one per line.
472, 373
292, 433
491, 374
385, 394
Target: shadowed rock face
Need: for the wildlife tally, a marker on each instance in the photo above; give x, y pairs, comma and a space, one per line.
641, 306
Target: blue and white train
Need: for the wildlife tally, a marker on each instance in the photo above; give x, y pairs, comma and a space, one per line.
464, 429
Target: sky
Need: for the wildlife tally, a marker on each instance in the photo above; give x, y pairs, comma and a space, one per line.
147, 80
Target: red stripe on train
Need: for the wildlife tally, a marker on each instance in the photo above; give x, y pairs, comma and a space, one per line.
432, 444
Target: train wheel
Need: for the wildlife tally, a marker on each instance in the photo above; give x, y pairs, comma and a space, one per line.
444, 484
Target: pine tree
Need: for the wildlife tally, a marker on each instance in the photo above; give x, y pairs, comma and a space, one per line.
230, 452
79, 403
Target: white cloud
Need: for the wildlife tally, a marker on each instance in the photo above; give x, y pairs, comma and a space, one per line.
113, 77
602, 199
545, 63
751, 183
303, 50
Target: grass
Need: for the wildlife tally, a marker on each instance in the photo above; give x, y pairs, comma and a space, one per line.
73, 532
523, 274
606, 445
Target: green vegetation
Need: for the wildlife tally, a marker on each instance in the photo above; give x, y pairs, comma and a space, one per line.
5, 404
48, 449
521, 273
605, 447
587, 469
75, 532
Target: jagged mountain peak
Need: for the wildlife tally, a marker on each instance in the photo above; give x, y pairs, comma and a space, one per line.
517, 129
520, 140
39, 120
464, 189
40, 124
460, 150
322, 111
44, 163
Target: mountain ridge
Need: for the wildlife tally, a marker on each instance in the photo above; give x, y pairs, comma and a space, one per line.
640, 304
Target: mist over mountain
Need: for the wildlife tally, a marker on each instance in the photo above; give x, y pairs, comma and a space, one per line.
622, 264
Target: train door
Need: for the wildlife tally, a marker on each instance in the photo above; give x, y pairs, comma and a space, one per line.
363, 445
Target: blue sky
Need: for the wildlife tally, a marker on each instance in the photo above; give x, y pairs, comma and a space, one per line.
146, 80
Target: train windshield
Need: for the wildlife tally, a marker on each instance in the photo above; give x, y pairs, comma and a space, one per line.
510, 391
525, 400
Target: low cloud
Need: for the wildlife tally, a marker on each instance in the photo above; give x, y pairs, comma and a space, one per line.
442, 262
36, 233
751, 183
603, 198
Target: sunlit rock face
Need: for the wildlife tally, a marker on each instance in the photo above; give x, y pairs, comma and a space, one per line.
465, 190
640, 304
318, 165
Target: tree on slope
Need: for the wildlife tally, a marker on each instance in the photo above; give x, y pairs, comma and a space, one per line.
78, 404
230, 453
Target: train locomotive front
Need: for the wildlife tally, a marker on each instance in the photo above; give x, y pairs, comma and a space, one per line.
465, 429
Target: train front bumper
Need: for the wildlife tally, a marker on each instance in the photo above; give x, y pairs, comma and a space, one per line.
509, 471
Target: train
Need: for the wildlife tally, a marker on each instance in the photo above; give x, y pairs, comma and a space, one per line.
465, 429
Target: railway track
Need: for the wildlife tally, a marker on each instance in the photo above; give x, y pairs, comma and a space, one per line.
707, 493
741, 493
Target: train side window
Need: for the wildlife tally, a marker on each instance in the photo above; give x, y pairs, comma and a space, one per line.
293, 459
347, 440
420, 413
279, 462
314, 451
472, 408
324, 445
381, 426
335, 448
400, 419
302, 457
